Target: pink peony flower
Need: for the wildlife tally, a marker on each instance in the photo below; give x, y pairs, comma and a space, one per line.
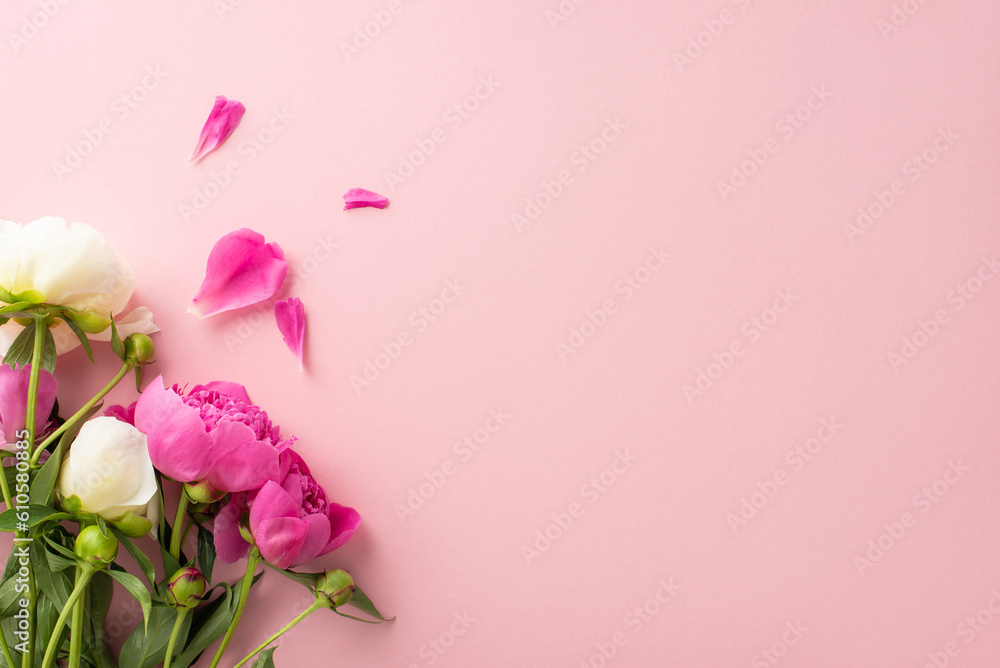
222, 121
14, 400
292, 522
355, 198
212, 434
242, 270
291, 318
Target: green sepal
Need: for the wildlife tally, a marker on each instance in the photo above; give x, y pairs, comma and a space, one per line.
80, 335
116, 342
361, 601
265, 659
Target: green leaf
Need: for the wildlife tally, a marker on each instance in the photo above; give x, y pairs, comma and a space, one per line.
307, 580
49, 352
97, 605
45, 479
145, 649
36, 515
206, 552
19, 352
140, 557
265, 659
80, 335
361, 601
9, 598
138, 378
134, 586
116, 341
46, 616
56, 584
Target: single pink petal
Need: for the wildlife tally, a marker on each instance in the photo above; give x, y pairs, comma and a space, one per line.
222, 121
271, 501
291, 318
14, 399
124, 414
241, 462
280, 539
316, 540
358, 197
229, 543
234, 390
242, 270
179, 446
344, 521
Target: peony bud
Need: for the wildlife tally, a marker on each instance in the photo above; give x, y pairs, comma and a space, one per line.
139, 348
185, 588
202, 492
334, 588
96, 548
89, 322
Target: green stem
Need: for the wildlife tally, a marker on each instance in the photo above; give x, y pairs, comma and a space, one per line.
28, 656
36, 373
252, 562
261, 647
177, 530
181, 614
7, 498
76, 630
83, 575
122, 372
6, 649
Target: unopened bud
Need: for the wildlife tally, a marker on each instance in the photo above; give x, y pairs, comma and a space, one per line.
335, 588
96, 548
139, 348
185, 588
91, 323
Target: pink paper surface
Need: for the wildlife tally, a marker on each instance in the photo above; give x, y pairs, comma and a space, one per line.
594, 205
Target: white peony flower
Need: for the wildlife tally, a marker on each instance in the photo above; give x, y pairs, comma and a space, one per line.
108, 469
69, 266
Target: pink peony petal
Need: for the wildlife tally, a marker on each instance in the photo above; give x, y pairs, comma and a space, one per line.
242, 270
316, 540
271, 501
356, 198
279, 540
229, 543
241, 462
222, 121
291, 318
179, 446
234, 390
14, 400
344, 521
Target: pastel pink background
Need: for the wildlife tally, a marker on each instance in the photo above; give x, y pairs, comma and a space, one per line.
352, 117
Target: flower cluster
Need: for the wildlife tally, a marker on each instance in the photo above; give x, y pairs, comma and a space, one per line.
77, 488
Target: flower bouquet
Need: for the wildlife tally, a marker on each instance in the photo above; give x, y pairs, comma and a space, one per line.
79, 487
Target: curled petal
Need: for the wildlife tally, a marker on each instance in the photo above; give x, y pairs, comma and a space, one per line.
242, 270
271, 501
344, 521
280, 539
356, 198
316, 540
291, 318
178, 443
222, 121
241, 462
229, 543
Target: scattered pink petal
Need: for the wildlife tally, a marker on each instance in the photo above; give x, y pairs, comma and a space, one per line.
356, 198
242, 270
291, 318
223, 120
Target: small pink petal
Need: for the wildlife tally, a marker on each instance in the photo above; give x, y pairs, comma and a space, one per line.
241, 462
222, 121
280, 540
242, 270
356, 198
291, 318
